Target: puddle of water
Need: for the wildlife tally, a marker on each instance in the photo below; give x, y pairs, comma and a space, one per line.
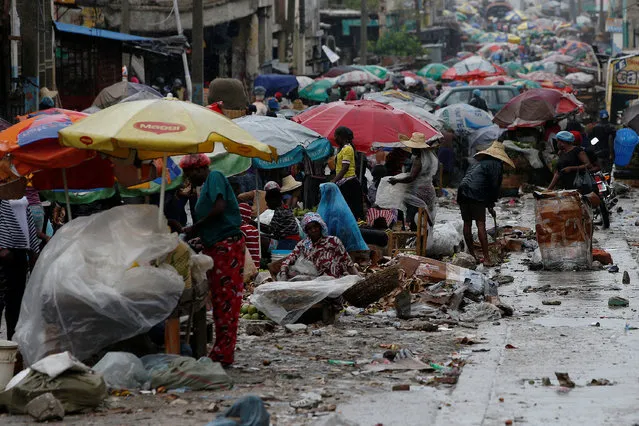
606, 323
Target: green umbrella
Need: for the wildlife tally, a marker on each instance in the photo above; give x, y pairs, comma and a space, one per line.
519, 82
376, 70
433, 71
514, 68
317, 90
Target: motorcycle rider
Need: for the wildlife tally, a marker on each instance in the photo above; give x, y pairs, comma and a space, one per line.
605, 132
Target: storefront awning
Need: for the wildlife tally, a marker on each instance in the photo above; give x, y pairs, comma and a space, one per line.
97, 32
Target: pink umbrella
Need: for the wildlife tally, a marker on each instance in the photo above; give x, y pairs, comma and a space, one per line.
370, 121
491, 81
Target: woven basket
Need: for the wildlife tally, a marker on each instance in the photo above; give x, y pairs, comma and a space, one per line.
373, 288
233, 113
13, 190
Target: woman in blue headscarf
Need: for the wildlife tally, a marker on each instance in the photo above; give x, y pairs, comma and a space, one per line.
325, 252
339, 218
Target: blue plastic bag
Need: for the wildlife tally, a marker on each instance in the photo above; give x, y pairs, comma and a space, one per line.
339, 218
625, 142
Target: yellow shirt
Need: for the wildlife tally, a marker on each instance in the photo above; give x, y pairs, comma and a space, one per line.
346, 154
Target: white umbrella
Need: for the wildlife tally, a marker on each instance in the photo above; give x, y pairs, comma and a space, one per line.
304, 81
357, 78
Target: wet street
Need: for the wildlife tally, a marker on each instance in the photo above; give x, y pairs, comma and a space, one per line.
504, 385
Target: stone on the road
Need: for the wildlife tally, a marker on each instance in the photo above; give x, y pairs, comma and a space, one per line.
45, 407
616, 301
626, 278
295, 328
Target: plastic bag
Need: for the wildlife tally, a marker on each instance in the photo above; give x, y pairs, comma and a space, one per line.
285, 302
123, 370
339, 219
175, 371
86, 290
249, 410
444, 240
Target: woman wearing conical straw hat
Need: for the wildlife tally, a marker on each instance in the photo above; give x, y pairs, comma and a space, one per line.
478, 191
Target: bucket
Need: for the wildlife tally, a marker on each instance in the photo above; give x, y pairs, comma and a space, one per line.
625, 142
8, 355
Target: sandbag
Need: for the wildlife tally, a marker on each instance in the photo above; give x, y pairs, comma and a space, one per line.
94, 284
174, 372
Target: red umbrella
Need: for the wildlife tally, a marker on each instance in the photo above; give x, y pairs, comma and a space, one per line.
337, 71
548, 80
536, 106
472, 68
491, 81
370, 121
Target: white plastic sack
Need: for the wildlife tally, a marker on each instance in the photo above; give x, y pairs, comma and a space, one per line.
285, 302
444, 240
86, 291
123, 370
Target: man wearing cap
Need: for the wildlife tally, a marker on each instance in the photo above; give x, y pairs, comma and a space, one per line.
477, 101
478, 191
260, 106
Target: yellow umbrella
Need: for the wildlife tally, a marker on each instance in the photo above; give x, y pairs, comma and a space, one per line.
159, 128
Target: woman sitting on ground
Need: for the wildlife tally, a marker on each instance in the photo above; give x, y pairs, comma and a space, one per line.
325, 253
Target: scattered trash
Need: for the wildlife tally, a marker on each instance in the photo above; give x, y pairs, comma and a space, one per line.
123, 370
600, 382
259, 328
340, 362
400, 388
613, 269
464, 260
544, 288
309, 400
509, 346
626, 278
618, 302
45, 407
246, 411
295, 328
481, 350
601, 256
466, 340
503, 279
480, 312
551, 302
564, 380
595, 324
545, 381
335, 420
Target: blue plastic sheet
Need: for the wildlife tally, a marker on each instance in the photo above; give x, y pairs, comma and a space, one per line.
339, 219
274, 83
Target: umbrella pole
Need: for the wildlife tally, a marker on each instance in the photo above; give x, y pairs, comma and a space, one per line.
162, 191
66, 194
257, 202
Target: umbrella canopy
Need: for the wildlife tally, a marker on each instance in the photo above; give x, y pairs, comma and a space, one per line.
580, 79
420, 113
370, 122
464, 119
513, 69
274, 83
117, 92
534, 107
467, 9
559, 59
304, 81
156, 128
290, 139
472, 68
522, 82
337, 71
33, 143
379, 72
491, 81
357, 78
390, 96
526, 26
433, 71
317, 90
547, 80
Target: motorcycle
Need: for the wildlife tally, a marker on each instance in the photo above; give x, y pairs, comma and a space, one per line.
608, 198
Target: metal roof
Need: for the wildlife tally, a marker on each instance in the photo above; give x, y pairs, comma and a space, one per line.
97, 32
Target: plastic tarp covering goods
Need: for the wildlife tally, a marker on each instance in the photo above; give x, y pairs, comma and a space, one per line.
94, 285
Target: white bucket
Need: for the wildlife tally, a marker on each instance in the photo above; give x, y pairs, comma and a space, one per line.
8, 356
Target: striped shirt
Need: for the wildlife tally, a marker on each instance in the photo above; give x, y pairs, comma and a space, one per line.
12, 235
252, 238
